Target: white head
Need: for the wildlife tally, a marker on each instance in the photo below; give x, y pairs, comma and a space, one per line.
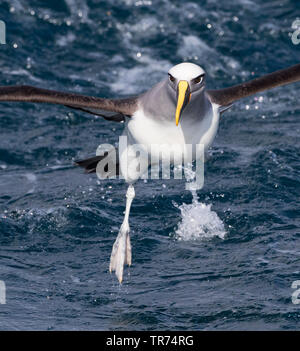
185, 79
186, 71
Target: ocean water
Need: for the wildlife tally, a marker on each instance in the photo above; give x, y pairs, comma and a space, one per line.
222, 259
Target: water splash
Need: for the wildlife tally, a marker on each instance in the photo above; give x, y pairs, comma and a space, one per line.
198, 220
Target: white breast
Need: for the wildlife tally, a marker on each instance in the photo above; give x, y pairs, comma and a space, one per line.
153, 135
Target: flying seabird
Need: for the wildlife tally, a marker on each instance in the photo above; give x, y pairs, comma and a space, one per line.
176, 111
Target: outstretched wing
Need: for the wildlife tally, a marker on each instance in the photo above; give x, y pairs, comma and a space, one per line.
111, 109
225, 97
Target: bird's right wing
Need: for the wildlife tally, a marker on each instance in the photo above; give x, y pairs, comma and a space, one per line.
225, 97
110, 109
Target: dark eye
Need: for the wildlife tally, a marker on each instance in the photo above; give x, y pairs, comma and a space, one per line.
198, 79
172, 79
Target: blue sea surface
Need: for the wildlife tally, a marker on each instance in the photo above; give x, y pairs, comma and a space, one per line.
58, 225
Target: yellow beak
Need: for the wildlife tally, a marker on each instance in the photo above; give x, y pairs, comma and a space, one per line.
183, 97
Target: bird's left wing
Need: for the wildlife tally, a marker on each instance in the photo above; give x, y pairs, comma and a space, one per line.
225, 97
110, 109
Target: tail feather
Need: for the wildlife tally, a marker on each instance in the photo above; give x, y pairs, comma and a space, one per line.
90, 164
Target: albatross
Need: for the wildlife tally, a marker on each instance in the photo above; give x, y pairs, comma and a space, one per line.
177, 111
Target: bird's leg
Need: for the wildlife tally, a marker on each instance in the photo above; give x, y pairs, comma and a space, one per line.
121, 251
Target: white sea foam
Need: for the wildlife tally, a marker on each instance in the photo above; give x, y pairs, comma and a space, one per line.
193, 48
141, 77
192, 45
15, 6
146, 27
20, 72
31, 177
78, 9
64, 40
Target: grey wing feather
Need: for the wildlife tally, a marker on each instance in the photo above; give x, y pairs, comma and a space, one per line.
111, 109
225, 97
